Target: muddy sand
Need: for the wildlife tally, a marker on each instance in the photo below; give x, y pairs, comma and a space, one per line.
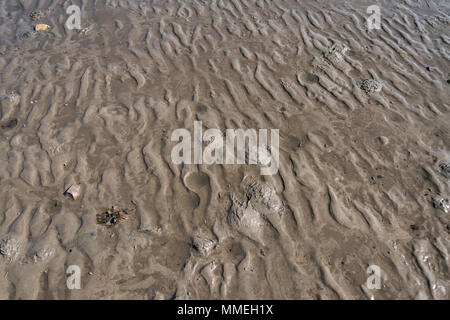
87, 177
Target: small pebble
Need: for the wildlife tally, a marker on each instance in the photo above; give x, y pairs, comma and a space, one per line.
383, 140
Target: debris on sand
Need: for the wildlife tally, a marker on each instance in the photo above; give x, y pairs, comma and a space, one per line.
8, 105
42, 27
37, 15
112, 216
246, 220
10, 246
370, 85
441, 203
445, 169
332, 57
41, 252
85, 31
264, 198
335, 53
74, 191
203, 243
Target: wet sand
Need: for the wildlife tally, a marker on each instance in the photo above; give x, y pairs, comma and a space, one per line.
363, 179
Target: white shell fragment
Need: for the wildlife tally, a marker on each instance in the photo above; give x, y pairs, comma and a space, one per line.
74, 191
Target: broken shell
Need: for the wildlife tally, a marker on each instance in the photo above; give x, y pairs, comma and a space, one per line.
42, 27
74, 191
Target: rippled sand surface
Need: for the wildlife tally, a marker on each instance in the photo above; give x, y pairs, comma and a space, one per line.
363, 178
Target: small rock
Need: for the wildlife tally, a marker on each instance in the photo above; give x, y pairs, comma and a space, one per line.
383, 140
